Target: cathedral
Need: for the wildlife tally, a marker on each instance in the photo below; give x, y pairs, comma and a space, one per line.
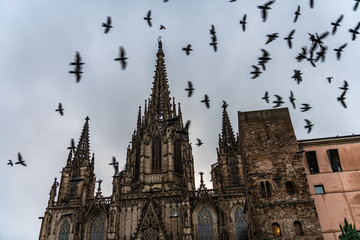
259, 191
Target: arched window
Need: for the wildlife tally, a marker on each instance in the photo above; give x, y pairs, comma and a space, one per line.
290, 188
156, 154
268, 188
97, 229
298, 228
177, 156
276, 230
137, 161
240, 225
262, 189
205, 225
64, 230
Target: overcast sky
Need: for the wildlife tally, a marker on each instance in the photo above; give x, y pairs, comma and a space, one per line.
39, 40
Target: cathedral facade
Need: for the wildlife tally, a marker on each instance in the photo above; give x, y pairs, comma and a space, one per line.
259, 184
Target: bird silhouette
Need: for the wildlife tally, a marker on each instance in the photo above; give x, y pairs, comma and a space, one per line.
187, 50
321, 54
148, 18
339, 50
266, 97
355, 31
162, 27
329, 79
289, 38
122, 59
271, 37
311, 3
206, 101
301, 56
190, 89
342, 98
345, 87
10, 163
107, 25
72, 145
77, 73
256, 72
306, 107
78, 65
113, 162
297, 76
213, 42
225, 105
311, 59
308, 125
60, 110
77, 60
212, 30
20, 160
317, 40
278, 101
356, 5
297, 13
199, 142
264, 9
337, 24
243, 23
185, 130
292, 99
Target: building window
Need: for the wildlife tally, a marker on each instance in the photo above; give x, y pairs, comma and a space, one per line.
64, 230
334, 160
319, 189
156, 154
205, 225
290, 188
177, 157
97, 229
234, 172
262, 189
312, 162
298, 228
268, 188
240, 224
137, 161
276, 230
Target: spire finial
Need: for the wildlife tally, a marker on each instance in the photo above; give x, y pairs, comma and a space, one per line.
201, 178
87, 118
224, 105
159, 42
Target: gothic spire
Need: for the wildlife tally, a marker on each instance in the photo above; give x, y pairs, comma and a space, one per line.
227, 138
82, 153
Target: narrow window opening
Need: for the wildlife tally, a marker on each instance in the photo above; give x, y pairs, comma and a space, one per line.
312, 162
276, 230
298, 229
334, 160
290, 188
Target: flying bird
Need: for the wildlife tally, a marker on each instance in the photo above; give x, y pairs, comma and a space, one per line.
292, 99
213, 42
301, 56
60, 110
122, 59
297, 13
225, 105
264, 8
345, 87
72, 145
321, 54
271, 37
278, 101
339, 50
113, 162
190, 89
311, 59
337, 24
162, 27
243, 23
297, 76
306, 107
256, 72
266, 97
206, 101
355, 31
212, 30
264, 59
20, 160
199, 142
356, 5
107, 25
329, 79
341, 99
185, 130
308, 125
311, 3
289, 38
77, 60
187, 50
77, 73
10, 163
317, 40
148, 18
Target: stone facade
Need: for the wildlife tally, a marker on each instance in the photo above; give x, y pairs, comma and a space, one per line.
154, 197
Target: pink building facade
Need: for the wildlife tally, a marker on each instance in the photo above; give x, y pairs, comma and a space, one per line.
332, 166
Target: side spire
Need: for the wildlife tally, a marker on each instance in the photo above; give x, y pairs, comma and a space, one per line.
82, 154
227, 138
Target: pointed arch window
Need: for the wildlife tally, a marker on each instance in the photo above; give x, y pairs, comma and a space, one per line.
97, 229
276, 230
240, 224
64, 232
205, 225
298, 228
156, 154
137, 161
234, 171
177, 157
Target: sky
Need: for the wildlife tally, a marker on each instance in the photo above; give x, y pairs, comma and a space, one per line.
40, 38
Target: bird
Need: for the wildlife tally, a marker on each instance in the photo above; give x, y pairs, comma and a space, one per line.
289, 38
10, 163
264, 59
339, 50
206, 101
321, 54
355, 31
172, 120
162, 27
329, 79
297, 13
72, 145
185, 130
278, 101
113, 162
266, 97
306, 107
301, 56
292, 99
148, 18
60, 109
199, 142
356, 5
345, 86
341, 99
308, 125
77, 73
311, 59
337, 24
20, 161
77, 60
212, 30
78, 65
107, 25
264, 8
187, 50
122, 59
243, 23
317, 40
256, 72
311, 3
271, 37
213, 42
225, 105
190, 89
297, 76
41, 218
